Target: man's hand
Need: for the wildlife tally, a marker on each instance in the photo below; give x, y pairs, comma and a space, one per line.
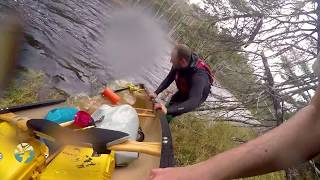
160, 106
152, 95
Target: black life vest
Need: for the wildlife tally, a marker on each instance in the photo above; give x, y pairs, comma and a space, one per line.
183, 82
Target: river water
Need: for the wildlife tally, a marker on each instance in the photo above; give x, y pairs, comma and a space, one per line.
65, 39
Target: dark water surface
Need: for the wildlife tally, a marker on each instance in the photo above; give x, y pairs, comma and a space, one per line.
64, 39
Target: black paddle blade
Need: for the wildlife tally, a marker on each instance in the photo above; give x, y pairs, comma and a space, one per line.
102, 138
97, 137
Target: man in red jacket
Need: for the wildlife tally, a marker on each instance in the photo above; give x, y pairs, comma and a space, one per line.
193, 78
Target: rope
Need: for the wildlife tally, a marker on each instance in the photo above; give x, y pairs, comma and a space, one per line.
134, 88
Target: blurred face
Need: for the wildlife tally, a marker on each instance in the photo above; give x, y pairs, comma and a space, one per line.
176, 62
174, 58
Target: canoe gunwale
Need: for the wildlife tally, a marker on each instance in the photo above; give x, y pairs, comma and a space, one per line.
167, 154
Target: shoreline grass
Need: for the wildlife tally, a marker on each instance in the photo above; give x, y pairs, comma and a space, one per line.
26, 89
195, 140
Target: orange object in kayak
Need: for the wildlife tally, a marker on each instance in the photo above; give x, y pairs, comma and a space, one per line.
113, 97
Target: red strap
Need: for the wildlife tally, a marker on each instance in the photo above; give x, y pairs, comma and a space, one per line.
203, 65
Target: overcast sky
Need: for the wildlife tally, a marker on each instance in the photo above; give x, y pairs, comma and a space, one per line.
195, 1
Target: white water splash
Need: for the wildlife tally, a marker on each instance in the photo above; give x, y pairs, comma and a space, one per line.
135, 42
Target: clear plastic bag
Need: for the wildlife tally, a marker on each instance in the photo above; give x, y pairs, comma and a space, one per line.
85, 103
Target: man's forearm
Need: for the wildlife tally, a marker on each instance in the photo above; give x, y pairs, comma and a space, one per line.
166, 82
295, 141
183, 107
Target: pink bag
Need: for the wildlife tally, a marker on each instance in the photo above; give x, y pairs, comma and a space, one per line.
83, 119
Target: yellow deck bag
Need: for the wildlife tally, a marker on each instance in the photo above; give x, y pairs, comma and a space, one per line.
77, 163
20, 160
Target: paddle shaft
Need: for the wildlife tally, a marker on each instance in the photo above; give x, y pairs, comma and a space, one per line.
65, 124
142, 109
150, 148
30, 106
20, 122
146, 115
122, 89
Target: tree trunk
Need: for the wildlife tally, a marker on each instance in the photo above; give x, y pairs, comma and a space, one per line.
318, 32
273, 93
318, 25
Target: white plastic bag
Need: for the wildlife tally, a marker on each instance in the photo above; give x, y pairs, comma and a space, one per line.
120, 118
